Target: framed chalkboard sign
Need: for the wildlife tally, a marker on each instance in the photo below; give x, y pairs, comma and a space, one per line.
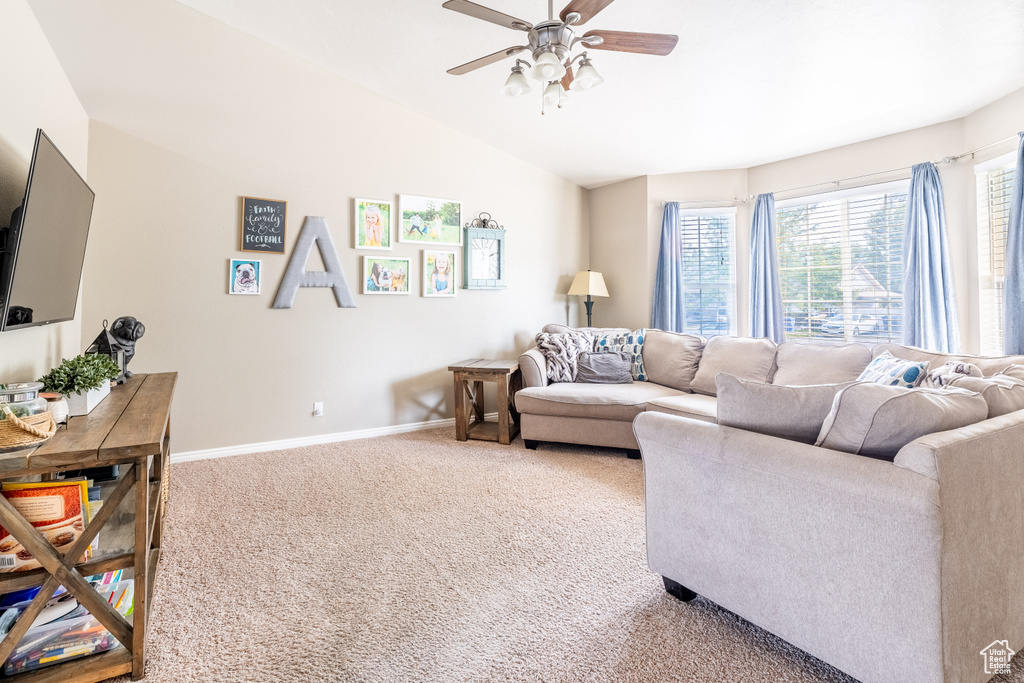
263, 225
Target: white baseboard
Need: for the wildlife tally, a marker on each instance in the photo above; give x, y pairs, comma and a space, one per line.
283, 444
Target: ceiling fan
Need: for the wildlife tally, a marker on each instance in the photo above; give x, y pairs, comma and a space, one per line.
551, 44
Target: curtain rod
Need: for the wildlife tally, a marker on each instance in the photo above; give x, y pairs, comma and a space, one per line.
944, 160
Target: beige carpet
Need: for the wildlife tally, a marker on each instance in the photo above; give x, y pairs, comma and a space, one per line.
419, 558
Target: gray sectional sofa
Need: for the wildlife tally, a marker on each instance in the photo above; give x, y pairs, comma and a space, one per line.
898, 569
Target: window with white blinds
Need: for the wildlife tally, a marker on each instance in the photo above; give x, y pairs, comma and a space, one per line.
709, 270
995, 190
841, 263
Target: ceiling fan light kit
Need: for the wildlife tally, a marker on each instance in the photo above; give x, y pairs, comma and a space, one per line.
516, 84
551, 43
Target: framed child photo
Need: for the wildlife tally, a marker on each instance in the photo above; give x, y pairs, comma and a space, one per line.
244, 276
438, 273
385, 275
372, 223
429, 220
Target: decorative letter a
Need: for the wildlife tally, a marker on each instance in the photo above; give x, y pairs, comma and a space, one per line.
314, 231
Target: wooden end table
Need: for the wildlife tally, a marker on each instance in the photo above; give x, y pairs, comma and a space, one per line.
469, 399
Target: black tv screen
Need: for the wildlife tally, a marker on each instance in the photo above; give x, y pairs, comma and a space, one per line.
45, 245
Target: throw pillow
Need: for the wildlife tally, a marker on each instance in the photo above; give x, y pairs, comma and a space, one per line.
612, 367
561, 351
671, 359
633, 342
891, 371
755, 407
802, 363
878, 420
1014, 372
745, 357
946, 374
1002, 394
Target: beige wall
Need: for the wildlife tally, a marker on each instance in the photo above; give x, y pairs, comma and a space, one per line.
891, 153
168, 183
618, 250
36, 94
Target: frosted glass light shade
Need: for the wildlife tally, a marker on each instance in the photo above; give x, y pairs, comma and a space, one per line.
552, 94
547, 67
586, 78
588, 283
516, 84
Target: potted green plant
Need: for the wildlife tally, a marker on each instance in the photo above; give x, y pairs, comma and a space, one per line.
84, 381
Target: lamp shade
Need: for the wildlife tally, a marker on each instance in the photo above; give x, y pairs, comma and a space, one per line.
547, 67
586, 78
588, 283
516, 84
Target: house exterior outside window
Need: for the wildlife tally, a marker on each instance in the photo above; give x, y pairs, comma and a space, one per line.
995, 190
841, 264
709, 270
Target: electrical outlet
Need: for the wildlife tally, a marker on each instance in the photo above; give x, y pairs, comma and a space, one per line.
318, 409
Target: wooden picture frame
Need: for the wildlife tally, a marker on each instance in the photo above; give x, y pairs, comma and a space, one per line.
264, 223
485, 259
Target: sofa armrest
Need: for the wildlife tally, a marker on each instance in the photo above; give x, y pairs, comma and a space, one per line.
977, 469
534, 368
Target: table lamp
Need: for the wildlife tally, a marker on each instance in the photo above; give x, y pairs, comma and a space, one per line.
590, 284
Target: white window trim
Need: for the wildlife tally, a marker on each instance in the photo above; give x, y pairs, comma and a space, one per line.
878, 188
1008, 159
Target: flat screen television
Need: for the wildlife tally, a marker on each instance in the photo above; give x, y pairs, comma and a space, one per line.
44, 247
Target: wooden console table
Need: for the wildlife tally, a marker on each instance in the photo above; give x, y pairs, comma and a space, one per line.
130, 428
469, 400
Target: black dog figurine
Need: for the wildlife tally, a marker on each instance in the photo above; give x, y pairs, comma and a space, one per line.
127, 330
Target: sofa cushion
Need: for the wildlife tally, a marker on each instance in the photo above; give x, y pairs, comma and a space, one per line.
878, 420
1003, 394
633, 342
1013, 371
989, 365
755, 407
671, 359
606, 401
801, 363
745, 357
604, 368
694, 406
890, 371
561, 351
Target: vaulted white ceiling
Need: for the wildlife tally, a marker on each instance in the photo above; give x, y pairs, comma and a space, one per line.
751, 81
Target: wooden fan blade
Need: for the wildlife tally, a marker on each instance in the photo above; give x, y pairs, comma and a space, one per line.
585, 8
567, 79
487, 14
626, 41
484, 61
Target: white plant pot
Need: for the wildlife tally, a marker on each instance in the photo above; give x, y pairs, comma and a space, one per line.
82, 404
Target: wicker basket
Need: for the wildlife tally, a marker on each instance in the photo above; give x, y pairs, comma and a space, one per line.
23, 432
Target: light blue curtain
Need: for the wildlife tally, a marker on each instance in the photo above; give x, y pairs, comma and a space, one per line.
1013, 284
765, 291
668, 310
929, 300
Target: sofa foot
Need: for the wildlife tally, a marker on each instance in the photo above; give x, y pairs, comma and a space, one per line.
530, 444
677, 590
632, 454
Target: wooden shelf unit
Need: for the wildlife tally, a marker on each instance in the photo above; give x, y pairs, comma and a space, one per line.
130, 428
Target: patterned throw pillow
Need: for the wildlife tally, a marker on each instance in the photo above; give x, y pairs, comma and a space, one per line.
891, 371
561, 351
950, 372
632, 342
